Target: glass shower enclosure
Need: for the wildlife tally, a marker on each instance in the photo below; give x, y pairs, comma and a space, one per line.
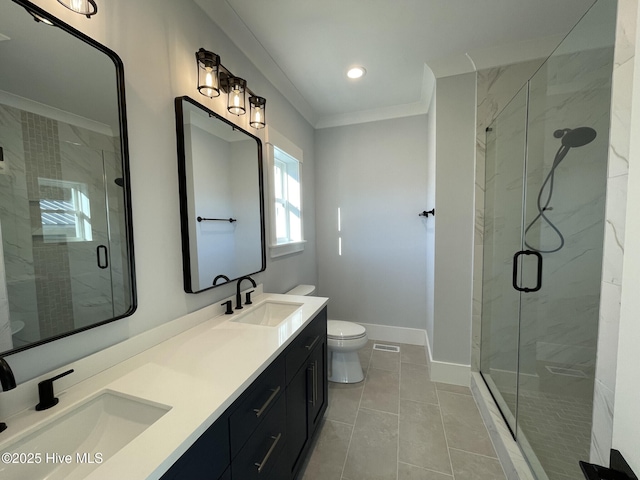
546, 172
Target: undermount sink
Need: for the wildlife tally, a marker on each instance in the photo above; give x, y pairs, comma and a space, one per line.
270, 313
78, 442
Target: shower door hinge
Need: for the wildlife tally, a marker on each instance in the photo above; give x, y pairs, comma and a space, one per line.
619, 469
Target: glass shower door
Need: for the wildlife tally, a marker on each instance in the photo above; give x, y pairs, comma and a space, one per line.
505, 150
567, 151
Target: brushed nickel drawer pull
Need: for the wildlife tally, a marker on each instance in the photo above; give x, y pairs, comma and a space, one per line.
262, 464
315, 340
274, 393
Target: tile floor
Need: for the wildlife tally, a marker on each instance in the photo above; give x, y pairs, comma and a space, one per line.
399, 425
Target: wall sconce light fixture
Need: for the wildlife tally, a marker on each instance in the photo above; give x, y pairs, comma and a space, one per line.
256, 119
83, 7
213, 77
236, 99
208, 67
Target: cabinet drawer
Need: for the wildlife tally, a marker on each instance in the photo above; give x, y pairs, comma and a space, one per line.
262, 450
306, 341
255, 404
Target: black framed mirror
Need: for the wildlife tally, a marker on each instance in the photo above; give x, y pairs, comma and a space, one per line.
221, 198
66, 256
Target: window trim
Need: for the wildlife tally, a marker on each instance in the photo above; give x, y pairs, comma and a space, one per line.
276, 139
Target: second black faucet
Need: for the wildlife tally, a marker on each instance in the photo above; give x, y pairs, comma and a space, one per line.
238, 296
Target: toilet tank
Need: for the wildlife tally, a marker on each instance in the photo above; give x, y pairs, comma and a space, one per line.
302, 290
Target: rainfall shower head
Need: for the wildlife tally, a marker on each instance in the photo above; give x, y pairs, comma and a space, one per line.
577, 137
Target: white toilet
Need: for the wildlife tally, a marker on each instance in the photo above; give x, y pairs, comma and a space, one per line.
344, 339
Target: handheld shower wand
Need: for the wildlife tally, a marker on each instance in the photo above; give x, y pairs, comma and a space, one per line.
571, 138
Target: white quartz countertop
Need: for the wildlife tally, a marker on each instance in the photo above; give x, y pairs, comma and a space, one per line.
197, 373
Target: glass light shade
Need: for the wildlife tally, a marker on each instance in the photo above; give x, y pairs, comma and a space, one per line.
208, 67
236, 100
40, 19
83, 7
257, 105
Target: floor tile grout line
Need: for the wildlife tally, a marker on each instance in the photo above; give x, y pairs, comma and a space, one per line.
346, 457
427, 469
446, 440
473, 453
379, 411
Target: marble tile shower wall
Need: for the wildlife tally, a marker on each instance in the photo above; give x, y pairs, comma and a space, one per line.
616, 201
60, 291
494, 90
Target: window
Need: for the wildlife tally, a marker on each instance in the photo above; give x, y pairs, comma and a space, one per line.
287, 198
285, 179
65, 212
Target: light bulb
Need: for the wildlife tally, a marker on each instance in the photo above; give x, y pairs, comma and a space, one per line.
356, 72
258, 117
236, 98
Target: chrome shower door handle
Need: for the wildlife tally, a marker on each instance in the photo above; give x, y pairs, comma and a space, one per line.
515, 271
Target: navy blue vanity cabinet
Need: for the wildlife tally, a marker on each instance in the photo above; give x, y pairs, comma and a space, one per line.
207, 458
306, 372
266, 433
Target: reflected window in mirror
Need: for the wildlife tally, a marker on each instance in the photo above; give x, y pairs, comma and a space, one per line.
66, 255
285, 188
221, 198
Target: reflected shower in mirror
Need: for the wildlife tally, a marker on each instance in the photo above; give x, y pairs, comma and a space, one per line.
221, 198
66, 258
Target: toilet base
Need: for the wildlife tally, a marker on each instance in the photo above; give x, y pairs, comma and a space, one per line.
344, 367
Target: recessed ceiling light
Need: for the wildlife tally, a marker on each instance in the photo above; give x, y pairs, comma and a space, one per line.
356, 72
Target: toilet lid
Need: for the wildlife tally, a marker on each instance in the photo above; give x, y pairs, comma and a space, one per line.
344, 330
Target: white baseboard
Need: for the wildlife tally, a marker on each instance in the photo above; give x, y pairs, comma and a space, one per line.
386, 333
446, 372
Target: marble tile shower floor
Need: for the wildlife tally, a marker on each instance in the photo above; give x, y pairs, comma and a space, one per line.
399, 425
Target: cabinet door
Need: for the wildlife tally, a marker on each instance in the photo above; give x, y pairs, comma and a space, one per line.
317, 386
296, 417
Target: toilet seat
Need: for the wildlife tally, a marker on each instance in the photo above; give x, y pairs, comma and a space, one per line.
340, 330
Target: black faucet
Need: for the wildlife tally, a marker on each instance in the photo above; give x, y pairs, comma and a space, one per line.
238, 296
8, 382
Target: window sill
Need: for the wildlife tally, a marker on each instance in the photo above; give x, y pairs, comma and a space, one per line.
286, 249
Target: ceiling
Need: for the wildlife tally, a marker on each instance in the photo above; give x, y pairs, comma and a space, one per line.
305, 47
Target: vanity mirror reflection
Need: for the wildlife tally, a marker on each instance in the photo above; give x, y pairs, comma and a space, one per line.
66, 256
221, 198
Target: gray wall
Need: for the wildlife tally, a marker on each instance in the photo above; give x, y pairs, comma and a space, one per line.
376, 173
455, 170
